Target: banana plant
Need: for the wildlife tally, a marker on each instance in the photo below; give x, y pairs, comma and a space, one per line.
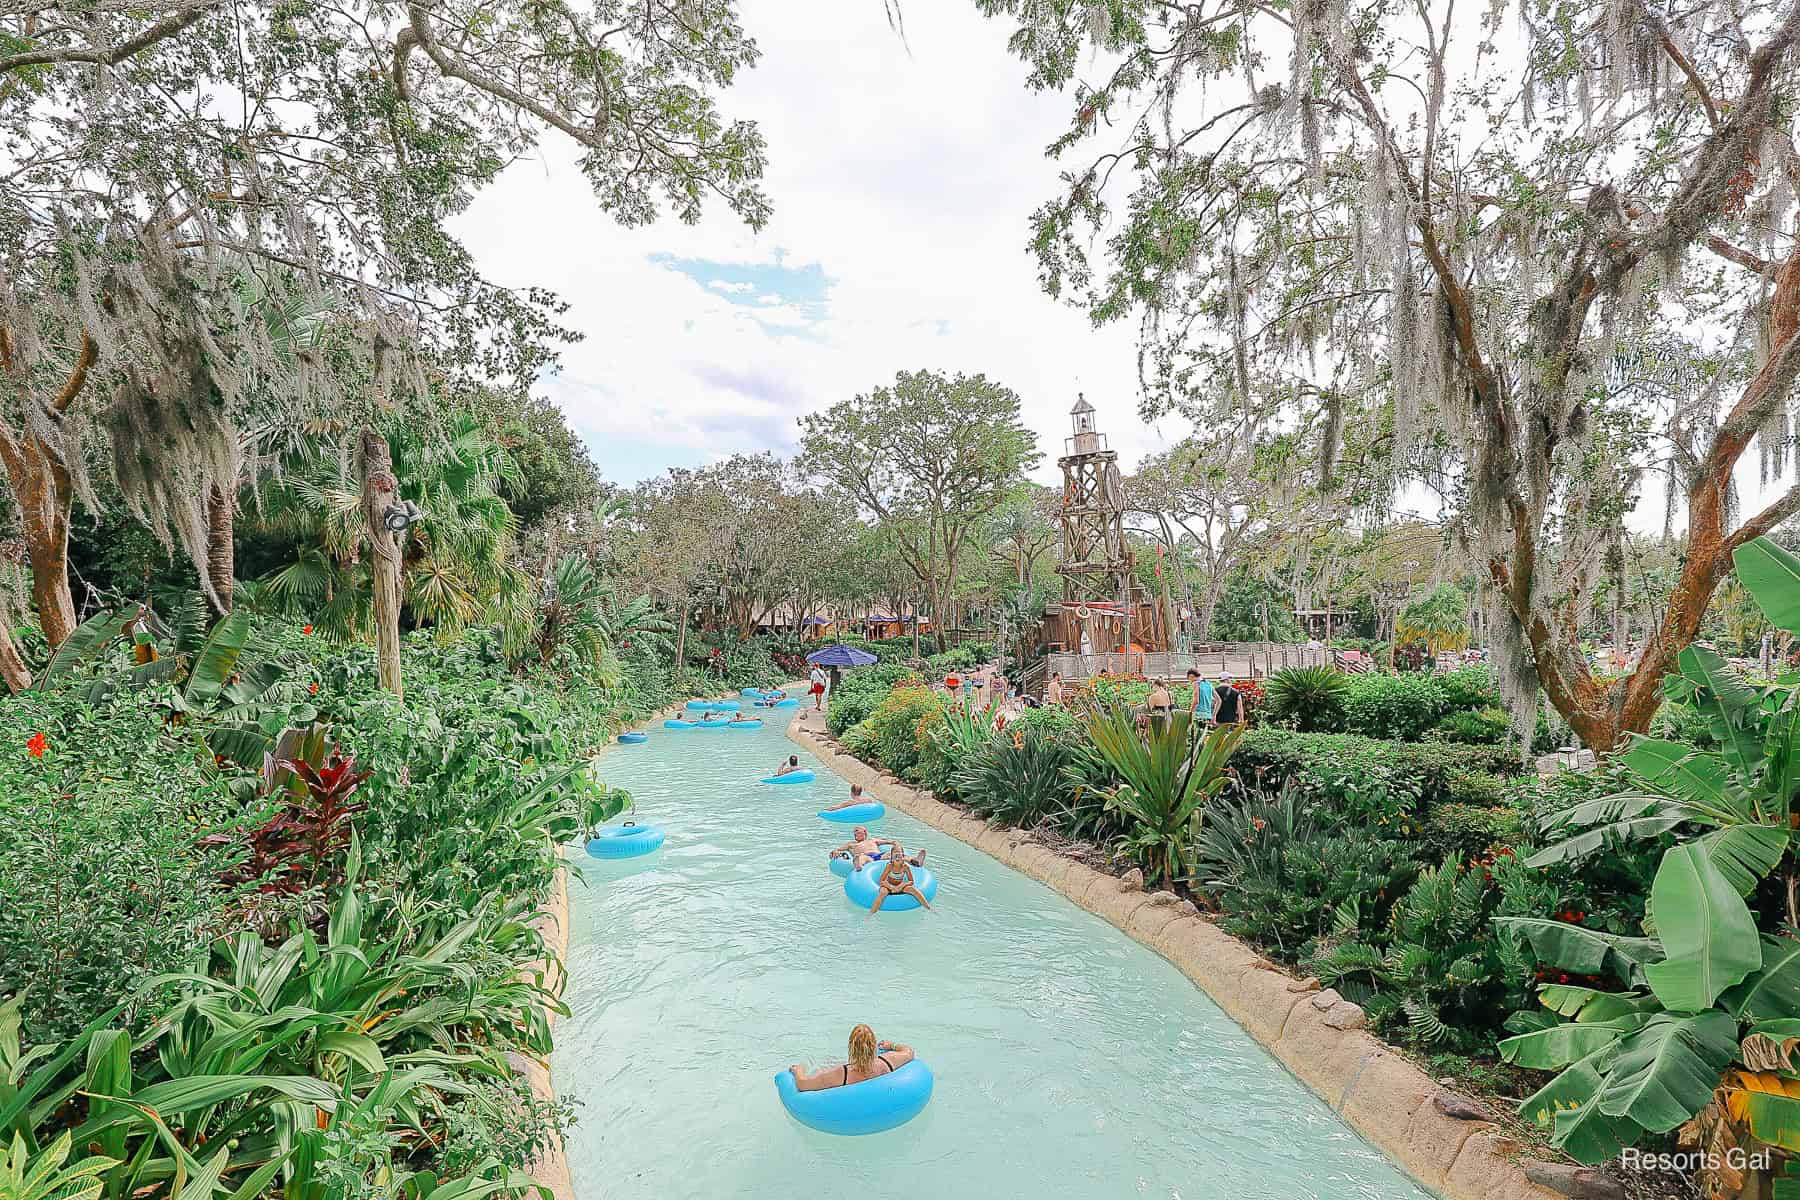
1648, 1055
1169, 776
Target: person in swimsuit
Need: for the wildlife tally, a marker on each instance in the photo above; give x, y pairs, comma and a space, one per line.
861, 847
738, 718
896, 879
856, 798
790, 766
869, 1059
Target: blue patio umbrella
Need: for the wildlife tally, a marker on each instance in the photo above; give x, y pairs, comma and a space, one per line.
841, 655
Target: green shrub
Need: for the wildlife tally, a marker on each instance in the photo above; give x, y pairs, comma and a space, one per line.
860, 690
1310, 699
860, 740
1477, 727
1461, 831
1421, 774
900, 722
1017, 778
1279, 875
1396, 707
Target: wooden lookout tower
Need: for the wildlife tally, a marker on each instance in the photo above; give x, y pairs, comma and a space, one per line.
1102, 609
1096, 562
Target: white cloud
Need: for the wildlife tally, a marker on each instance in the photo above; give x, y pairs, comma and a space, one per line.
910, 194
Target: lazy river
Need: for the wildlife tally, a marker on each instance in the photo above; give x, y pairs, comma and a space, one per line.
1070, 1061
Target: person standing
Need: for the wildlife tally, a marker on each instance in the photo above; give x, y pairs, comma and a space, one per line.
1229, 704
1053, 690
1203, 705
818, 677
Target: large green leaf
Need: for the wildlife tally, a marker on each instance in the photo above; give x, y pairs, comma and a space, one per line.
1560, 1045
1666, 1072
1606, 821
1772, 577
175, 1096
217, 659
1773, 992
1781, 755
1745, 853
88, 639
1706, 929
1677, 769
1566, 1106
1585, 951
1728, 703
1774, 1119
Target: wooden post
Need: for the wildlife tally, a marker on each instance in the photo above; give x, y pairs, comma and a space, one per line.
379, 491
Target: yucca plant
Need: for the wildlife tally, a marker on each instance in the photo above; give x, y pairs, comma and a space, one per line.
1168, 774
1310, 699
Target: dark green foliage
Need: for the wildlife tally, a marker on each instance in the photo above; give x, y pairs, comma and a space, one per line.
1017, 778
1479, 727
898, 723
1413, 773
1436, 969
1459, 831
1407, 707
1278, 873
1251, 609
1310, 699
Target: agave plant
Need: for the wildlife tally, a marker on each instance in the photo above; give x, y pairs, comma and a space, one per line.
1648, 1054
1310, 699
1169, 775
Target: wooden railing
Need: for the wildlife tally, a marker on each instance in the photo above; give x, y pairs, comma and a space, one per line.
1237, 660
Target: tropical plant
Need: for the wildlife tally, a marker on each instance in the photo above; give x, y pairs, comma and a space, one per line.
1440, 620
44, 1177
1016, 778
1437, 961
1168, 774
1310, 699
1646, 1059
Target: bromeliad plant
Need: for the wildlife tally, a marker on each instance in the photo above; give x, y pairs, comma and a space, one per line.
1168, 774
1652, 1030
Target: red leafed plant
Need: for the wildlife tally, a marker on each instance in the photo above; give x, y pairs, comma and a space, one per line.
303, 843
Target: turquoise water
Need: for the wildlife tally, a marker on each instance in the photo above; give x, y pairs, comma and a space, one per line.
1070, 1061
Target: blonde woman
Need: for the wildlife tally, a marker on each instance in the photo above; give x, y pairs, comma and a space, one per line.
869, 1059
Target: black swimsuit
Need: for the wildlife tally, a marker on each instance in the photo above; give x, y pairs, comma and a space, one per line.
880, 1058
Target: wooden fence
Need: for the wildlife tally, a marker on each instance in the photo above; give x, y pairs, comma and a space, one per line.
1237, 660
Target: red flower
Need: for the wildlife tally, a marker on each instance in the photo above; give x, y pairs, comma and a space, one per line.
306, 629
312, 689
37, 745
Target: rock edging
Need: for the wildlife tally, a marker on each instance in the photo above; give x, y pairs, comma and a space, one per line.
1424, 1128
551, 1168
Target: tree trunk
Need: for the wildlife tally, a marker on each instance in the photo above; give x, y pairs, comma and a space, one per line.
12, 666
43, 493
379, 490
221, 563
681, 633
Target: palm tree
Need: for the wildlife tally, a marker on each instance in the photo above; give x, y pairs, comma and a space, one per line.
578, 616
456, 566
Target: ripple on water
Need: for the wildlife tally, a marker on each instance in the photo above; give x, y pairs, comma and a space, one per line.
1070, 1061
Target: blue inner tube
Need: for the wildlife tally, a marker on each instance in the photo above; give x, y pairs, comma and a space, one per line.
714, 705
673, 723
754, 723
790, 777
753, 693
790, 702
872, 810
625, 841
632, 739
860, 887
840, 865
715, 723
885, 1102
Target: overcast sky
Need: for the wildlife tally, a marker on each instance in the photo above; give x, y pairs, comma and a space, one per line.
903, 178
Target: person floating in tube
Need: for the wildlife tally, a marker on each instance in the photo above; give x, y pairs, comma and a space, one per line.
869, 1059
896, 879
790, 766
861, 848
